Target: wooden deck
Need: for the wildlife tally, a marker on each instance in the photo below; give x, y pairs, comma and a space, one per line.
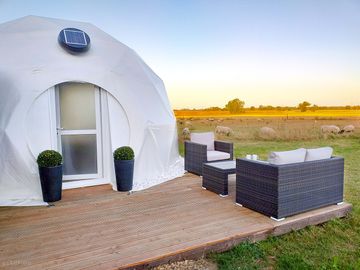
97, 228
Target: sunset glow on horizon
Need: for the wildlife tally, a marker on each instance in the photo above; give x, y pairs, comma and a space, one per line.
207, 52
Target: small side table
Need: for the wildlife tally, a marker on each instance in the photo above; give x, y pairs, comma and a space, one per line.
215, 176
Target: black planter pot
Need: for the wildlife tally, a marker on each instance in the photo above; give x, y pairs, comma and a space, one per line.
124, 171
51, 183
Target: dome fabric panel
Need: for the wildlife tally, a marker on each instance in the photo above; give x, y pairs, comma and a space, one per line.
33, 62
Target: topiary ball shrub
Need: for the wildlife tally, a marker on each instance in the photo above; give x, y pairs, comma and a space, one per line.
124, 153
49, 158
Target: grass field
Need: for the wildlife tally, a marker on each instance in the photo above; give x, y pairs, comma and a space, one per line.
333, 245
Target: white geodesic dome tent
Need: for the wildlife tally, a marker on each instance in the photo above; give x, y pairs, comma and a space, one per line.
106, 97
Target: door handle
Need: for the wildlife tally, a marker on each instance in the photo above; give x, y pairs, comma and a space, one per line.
60, 128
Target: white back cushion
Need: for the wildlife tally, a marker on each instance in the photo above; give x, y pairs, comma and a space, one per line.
206, 138
287, 157
318, 153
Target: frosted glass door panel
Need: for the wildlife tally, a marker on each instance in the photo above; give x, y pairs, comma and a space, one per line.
77, 106
79, 130
80, 154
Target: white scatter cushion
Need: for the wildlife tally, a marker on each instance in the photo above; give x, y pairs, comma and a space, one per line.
206, 138
287, 157
318, 153
217, 155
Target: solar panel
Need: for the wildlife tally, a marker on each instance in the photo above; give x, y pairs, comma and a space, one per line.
75, 37
74, 40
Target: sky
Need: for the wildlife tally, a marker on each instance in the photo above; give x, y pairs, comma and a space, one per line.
276, 53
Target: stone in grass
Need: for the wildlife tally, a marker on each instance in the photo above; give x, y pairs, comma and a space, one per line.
188, 265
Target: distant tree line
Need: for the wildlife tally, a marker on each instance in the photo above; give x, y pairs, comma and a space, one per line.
237, 106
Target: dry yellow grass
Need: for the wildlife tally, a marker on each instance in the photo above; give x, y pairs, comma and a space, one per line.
287, 129
268, 113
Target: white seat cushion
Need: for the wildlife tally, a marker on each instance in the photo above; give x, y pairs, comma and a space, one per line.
287, 157
217, 155
206, 138
318, 153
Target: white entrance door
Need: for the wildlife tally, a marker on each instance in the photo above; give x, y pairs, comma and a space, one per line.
79, 130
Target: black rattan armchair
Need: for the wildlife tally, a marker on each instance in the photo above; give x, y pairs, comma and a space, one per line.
196, 154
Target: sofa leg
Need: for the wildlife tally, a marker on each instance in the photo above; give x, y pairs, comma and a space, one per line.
340, 203
223, 196
203, 188
239, 204
277, 219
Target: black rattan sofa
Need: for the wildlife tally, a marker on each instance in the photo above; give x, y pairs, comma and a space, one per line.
196, 154
284, 190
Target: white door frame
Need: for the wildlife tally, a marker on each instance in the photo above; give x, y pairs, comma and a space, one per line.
97, 132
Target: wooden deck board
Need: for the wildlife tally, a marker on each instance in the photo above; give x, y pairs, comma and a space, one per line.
98, 228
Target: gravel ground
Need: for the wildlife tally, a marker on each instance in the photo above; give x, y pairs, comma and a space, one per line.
188, 265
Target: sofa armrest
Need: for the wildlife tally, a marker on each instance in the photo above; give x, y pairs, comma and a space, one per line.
257, 186
257, 170
225, 147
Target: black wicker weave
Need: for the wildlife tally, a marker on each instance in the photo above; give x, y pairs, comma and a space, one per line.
196, 154
215, 176
284, 190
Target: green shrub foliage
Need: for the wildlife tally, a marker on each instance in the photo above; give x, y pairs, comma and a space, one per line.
124, 153
49, 158
235, 106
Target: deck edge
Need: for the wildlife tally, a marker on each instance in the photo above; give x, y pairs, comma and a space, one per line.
224, 244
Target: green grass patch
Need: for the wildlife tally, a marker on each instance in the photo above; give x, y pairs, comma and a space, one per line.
333, 245
244, 256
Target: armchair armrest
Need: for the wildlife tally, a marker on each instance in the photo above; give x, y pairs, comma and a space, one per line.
227, 147
195, 147
195, 155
